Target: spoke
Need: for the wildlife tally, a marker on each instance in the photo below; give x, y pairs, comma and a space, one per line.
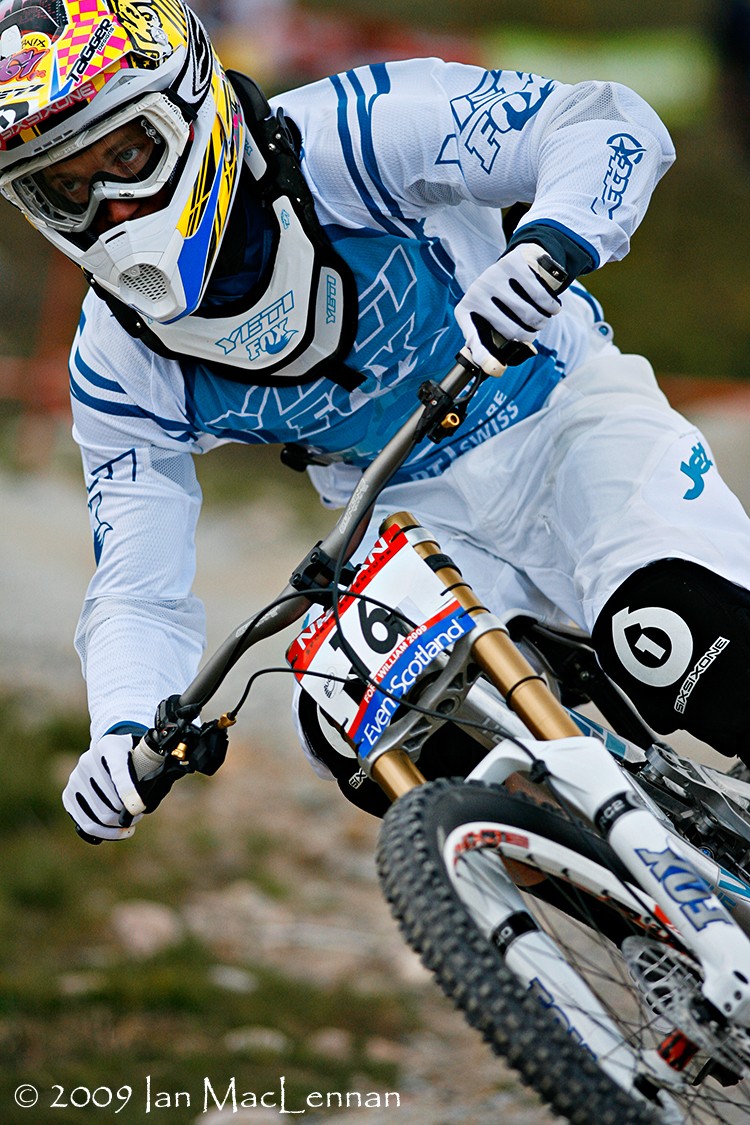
572, 924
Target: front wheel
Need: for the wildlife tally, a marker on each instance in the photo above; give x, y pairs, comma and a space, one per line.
547, 975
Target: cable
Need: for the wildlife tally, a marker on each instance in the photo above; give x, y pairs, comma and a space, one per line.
363, 678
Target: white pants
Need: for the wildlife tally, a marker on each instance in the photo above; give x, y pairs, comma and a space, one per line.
549, 517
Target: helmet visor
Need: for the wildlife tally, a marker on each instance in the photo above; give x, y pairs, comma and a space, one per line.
129, 158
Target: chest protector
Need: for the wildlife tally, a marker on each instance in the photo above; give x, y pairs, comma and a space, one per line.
298, 322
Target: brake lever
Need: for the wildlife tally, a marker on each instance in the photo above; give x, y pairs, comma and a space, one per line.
173, 748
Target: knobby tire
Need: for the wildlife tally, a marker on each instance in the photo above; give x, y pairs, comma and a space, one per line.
469, 970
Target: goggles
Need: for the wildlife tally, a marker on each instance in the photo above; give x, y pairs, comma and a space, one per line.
129, 156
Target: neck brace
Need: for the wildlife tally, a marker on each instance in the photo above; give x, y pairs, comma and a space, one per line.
298, 322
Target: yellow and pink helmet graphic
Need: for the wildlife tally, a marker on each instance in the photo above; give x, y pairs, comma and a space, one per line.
69, 49
65, 64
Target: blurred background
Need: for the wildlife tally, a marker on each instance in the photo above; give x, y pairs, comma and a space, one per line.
682, 294
241, 933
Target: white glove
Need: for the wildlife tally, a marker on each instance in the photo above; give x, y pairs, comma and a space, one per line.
512, 297
102, 786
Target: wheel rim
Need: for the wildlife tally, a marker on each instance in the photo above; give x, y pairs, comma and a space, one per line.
600, 964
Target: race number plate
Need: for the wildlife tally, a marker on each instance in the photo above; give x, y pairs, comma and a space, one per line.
395, 645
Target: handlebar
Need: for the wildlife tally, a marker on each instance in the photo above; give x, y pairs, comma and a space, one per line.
429, 419
174, 745
154, 758
291, 604
442, 409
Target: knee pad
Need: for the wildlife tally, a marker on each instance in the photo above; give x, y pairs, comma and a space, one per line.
325, 746
676, 638
449, 752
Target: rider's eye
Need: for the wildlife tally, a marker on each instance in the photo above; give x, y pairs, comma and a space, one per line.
72, 187
133, 157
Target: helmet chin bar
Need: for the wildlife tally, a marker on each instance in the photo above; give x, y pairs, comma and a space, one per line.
147, 281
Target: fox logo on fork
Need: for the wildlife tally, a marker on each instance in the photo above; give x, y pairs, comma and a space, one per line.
684, 885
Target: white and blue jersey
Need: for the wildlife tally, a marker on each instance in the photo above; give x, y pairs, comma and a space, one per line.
409, 165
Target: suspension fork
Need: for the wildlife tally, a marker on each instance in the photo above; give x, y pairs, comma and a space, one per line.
524, 690
658, 860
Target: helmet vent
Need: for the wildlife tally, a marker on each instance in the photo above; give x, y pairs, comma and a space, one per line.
146, 281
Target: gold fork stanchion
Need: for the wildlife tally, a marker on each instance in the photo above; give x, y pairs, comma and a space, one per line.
522, 687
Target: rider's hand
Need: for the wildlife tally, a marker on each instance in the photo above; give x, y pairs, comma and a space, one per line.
101, 787
511, 297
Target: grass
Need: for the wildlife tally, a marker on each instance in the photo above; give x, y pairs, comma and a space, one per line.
166, 1020
79, 1011
681, 296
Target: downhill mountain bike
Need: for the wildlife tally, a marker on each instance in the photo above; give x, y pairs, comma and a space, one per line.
582, 894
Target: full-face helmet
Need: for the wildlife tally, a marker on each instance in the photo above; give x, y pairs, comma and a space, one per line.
106, 102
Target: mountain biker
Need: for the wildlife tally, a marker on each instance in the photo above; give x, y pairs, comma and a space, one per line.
292, 275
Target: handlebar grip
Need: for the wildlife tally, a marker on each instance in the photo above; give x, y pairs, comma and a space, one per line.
145, 759
184, 749
509, 353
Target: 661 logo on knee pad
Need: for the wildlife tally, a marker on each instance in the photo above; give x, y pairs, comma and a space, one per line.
653, 644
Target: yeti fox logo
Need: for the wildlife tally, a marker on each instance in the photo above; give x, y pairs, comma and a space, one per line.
696, 469
684, 886
268, 332
272, 342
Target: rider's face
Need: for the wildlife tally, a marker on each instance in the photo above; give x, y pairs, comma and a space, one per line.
123, 155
